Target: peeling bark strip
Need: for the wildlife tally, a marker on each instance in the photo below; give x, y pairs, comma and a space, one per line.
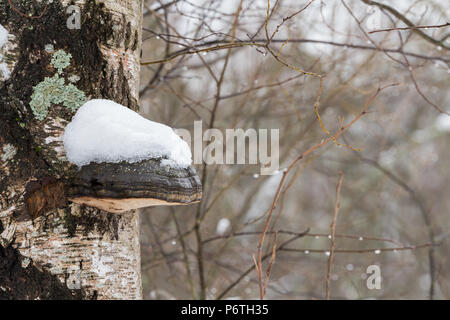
49, 248
44, 195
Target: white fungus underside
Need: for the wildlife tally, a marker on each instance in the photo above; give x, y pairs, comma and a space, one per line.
105, 131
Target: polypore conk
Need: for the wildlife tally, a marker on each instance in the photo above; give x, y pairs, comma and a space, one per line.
105, 131
119, 187
126, 161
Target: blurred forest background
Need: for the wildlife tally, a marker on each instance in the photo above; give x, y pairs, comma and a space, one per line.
244, 64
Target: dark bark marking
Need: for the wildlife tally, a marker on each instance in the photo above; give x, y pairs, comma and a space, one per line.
93, 220
30, 283
44, 195
127, 35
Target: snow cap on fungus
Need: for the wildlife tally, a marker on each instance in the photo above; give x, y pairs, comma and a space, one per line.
126, 161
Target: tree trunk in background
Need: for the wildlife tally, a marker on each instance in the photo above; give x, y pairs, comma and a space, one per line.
51, 248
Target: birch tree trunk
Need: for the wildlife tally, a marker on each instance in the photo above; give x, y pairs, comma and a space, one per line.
51, 248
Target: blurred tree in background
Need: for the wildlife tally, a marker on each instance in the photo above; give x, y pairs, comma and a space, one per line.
307, 68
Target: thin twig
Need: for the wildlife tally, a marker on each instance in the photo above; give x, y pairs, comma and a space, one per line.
262, 42
185, 256
341, 130
272, 261
373, 250
401, 17
26, 15
337, 206
253, 266
412, 27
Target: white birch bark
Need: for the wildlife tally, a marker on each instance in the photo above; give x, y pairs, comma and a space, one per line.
70, 251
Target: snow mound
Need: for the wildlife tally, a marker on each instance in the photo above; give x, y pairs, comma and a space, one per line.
105, 131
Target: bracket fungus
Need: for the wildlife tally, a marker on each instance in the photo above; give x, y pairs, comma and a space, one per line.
126, 161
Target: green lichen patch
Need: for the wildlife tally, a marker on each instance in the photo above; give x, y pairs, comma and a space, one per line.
45, 94
38, 43
54, 90
61, 60
73, 98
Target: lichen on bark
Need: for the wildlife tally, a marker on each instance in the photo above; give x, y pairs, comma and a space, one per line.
54, 90
73, 242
